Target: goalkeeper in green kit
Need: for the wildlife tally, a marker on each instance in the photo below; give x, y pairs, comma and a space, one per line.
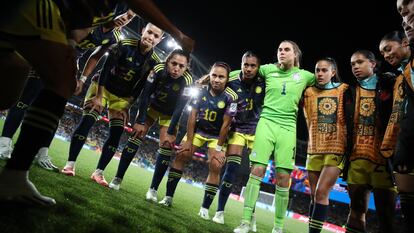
276, 131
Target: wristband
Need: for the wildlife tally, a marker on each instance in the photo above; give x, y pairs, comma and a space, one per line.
83, 78
219, 148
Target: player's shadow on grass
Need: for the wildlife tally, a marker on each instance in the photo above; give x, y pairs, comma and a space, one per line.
16, 217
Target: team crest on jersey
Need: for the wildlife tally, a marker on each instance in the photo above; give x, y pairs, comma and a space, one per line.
204, 98
259, 90
176, 87
296, 77
239, 90
129, 59
221, 104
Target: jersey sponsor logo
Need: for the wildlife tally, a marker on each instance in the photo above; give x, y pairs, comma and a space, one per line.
233, 107
259, 90
176, 87
105, 41
221, 104
296, 77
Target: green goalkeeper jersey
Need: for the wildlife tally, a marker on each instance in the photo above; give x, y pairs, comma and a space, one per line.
284, 89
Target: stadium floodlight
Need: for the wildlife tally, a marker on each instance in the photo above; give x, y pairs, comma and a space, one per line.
189, 108
173, 44
194, 92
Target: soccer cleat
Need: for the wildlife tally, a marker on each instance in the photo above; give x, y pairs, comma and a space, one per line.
276, 230
167, 201
219, 217
115, 183
15, 186
243, 228
253, 226
203, 213
98, 177
43, 160
68, 170
152, 195
5, 148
